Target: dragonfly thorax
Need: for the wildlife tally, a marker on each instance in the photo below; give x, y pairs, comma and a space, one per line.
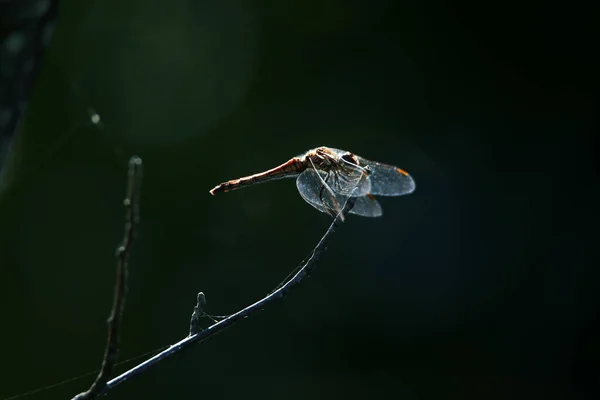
325, 158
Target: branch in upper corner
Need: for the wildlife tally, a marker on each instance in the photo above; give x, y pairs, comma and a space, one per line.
198, 335
131, 204
26, 28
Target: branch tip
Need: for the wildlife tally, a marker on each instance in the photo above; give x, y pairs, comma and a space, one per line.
197, 314
131, 203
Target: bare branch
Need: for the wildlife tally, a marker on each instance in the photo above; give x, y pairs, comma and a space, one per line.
131, 204
196, 335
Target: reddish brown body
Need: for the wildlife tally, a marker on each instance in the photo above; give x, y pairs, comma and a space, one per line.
328, 177
290, 168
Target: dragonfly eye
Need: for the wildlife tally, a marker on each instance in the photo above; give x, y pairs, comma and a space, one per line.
349, 158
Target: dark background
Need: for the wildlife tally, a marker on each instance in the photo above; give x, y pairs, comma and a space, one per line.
478, 285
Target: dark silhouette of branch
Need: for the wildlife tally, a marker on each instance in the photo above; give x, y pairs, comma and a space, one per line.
197, 335
26, 27
131, 204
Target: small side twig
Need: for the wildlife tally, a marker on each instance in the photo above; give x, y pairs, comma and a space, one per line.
196, 335
131, 204
198, 313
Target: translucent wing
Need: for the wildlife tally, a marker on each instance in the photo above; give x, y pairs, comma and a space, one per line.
387, 180
313, 191
309, 185
367, 206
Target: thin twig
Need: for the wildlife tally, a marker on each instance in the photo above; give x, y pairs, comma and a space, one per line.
198, 313
131, 204
197, 335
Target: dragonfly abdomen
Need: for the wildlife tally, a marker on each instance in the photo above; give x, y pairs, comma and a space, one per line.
288, 169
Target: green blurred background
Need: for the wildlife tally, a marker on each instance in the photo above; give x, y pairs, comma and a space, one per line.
478, 285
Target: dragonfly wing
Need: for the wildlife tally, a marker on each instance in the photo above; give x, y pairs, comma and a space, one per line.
367, 206
311, 188
387, 180
309, 185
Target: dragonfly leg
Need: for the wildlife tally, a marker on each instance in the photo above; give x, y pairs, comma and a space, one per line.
323, 188
333, 211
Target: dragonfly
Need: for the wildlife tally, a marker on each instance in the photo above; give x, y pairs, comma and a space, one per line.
326, 178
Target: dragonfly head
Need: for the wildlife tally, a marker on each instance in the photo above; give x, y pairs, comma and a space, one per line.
350, 161
349, 158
